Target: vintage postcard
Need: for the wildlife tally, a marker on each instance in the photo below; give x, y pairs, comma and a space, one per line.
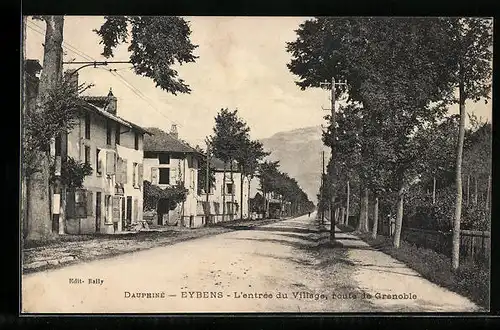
255, 164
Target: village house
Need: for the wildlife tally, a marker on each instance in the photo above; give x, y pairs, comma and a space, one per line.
169, 161
229, 196
111, 199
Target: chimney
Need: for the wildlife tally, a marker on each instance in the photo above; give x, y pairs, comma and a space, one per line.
173, 131
71, 76
112, 103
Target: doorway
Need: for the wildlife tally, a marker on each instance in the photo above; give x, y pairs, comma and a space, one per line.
123, 212
98, 212
129, 209
162, 209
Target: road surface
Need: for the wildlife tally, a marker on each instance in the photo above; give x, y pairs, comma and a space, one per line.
273, 268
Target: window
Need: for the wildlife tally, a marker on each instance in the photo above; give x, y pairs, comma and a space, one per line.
229, 188
108, 132
87, 126
164, 158
164, 176
136, 141
80, 204
57, 147
98, 162
117, 133
87, 155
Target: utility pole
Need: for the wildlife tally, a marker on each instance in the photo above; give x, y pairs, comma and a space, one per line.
321, 192
207, 185
332, 86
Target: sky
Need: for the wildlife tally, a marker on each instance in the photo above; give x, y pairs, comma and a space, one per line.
241, 65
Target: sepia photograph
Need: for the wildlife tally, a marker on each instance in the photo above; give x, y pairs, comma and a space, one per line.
232, 164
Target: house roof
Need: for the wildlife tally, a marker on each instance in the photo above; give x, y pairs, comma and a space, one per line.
101, 111
164, 142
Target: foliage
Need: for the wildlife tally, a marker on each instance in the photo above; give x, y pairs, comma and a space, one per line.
401, 73
157, 43
57, 114
174, 194
73, 172
230, 136
202, 178
274, 181
249, 157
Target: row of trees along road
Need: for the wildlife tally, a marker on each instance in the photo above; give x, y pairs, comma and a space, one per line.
156, 43
231, 143
402, 76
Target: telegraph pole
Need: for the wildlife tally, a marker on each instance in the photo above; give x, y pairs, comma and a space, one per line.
207, 184
333, 124
321, 192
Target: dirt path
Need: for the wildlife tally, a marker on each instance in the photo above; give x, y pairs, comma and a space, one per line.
225, 273
377, 273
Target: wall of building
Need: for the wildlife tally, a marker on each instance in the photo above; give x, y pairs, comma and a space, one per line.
104, 183
216, 196
182, 168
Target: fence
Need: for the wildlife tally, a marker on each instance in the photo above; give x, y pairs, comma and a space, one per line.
475, 246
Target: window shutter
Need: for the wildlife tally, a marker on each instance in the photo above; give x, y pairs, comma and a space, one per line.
99, 163
154, 175
110, 162
81, 203
119, 175
134, 178
124, 171
116, 208
136, 209
70, 204
90, 203
140, 172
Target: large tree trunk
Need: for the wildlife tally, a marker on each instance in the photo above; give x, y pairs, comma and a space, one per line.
375, 219
455, 255
347, 204
365, 201
361, 215
468, 190
475, 189
248, 198
232, 191
40, 222
224, 193
241, 195
434, 190
24, 215
399, 219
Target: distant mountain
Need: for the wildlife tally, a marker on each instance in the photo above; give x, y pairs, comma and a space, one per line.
299, 153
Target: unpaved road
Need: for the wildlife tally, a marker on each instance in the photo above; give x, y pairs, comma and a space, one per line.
241, 271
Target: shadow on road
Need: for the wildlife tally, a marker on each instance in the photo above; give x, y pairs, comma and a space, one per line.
286, 230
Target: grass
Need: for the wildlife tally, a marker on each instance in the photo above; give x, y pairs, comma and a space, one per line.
470, 280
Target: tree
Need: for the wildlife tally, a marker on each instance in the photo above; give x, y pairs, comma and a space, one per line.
229, 138
268, 173
174, 194
470, 44
249, 157
393, 67
38, 205
156, 44
202, 178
